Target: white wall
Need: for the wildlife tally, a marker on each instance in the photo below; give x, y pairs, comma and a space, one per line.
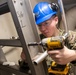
7, 30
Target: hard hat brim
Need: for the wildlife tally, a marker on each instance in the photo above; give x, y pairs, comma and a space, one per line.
39, 21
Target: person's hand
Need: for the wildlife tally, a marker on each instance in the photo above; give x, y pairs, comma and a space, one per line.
23, 57
63, 56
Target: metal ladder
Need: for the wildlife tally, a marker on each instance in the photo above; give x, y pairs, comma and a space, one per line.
26, 29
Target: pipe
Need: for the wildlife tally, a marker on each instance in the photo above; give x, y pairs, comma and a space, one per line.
63, 15
40, 58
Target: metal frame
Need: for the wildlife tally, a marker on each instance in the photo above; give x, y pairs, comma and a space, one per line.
19, 17
11, 70
10, 42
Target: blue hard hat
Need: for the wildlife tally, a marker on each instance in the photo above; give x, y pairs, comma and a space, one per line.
43, 11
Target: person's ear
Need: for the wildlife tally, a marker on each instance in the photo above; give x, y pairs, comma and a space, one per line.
56, 20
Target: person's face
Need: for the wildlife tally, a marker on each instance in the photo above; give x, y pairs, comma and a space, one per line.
48, 28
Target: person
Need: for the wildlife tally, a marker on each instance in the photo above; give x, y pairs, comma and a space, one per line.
47, 21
